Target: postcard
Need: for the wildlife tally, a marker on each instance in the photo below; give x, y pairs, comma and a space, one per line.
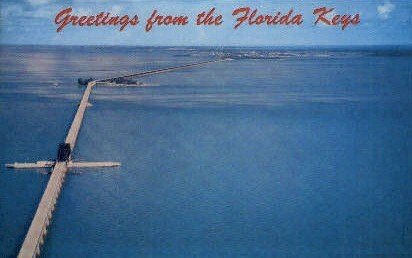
205, 128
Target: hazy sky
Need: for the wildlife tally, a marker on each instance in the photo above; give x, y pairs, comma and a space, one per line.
32, 22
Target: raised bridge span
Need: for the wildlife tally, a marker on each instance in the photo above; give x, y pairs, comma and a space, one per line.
38, 227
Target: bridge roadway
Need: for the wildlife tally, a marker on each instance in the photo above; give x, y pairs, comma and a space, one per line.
38, 227
169, 69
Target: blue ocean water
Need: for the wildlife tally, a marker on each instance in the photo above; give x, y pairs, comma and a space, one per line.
281, 152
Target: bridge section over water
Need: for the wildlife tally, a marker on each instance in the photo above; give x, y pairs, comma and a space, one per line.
38, 227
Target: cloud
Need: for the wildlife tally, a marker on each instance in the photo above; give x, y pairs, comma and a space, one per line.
45, 12
385, 10
11, 10
38, 2
83, 11
116, 9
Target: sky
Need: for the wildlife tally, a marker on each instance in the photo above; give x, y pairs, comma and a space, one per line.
383, 22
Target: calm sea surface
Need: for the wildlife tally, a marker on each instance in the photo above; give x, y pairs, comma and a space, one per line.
278, 153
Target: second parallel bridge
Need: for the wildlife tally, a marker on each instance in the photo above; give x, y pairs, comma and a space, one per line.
163, 70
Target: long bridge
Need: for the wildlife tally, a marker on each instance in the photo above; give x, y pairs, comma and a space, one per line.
163, 70
38, 227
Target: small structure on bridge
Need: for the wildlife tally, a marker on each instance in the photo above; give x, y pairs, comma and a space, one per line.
84, 82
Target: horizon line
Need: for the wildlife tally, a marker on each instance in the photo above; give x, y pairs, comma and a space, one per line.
211, 46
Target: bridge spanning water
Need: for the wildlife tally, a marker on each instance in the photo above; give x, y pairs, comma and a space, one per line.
163, 70
38, 228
